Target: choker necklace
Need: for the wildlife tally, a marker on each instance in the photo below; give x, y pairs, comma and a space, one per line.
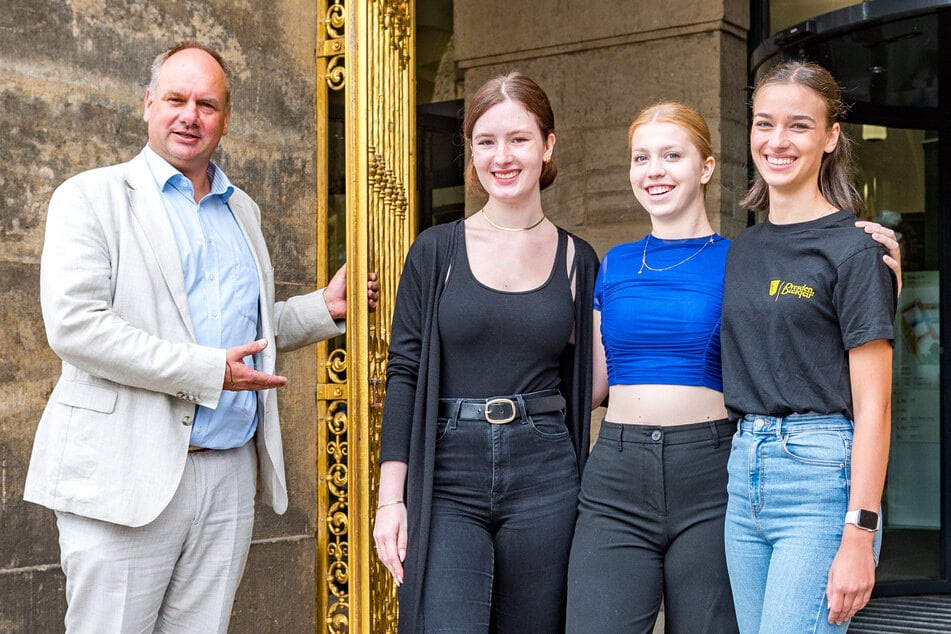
532, 226
645, 265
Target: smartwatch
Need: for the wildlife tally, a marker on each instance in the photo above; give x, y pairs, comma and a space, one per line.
866, 520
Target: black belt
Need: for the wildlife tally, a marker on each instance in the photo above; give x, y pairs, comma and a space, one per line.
499, 410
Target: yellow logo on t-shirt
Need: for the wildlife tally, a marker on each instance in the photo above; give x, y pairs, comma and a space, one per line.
779, 287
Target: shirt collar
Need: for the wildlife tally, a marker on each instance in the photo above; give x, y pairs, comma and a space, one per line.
167, 176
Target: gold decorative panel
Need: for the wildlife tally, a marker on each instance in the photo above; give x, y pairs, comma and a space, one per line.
365, 67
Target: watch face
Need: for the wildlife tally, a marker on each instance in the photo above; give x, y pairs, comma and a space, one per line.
868, 520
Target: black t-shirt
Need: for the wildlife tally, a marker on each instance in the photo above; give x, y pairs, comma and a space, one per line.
796, 299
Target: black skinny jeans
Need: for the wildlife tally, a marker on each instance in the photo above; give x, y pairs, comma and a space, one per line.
504, 509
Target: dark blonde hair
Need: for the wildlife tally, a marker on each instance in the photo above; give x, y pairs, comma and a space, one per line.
680, 115
835, 171
523, 91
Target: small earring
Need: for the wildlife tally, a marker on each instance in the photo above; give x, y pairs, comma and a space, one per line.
547, 159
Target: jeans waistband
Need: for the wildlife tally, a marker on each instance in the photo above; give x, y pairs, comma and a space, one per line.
777, 425
714, 430
499, 410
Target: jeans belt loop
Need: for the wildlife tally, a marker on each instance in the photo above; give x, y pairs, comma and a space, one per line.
779, 428
522, 413
455, 412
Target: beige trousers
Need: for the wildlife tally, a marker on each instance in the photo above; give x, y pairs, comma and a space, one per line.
177, 574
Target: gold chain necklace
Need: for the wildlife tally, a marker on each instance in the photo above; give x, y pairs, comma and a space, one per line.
532, 226
645, 265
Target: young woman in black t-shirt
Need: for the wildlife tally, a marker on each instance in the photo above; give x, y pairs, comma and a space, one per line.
807, 348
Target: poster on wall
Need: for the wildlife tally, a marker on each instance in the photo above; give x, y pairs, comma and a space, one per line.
912, 492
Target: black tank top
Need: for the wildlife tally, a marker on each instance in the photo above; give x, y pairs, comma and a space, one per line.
498, 342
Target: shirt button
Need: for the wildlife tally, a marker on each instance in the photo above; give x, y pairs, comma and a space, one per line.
186, 421
656, 435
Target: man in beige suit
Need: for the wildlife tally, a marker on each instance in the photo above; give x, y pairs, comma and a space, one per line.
158, 295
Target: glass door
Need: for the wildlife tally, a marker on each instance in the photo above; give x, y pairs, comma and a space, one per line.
898, 177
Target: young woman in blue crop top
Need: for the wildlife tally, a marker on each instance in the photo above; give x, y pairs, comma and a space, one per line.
653, 495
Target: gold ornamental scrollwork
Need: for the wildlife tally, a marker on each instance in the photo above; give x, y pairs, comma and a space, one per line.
333, 45
365, 49
336, 19
336, 450
336, 76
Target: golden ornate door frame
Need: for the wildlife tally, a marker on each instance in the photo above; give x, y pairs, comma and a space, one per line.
365, 52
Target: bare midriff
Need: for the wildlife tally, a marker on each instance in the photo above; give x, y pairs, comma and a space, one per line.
664, 404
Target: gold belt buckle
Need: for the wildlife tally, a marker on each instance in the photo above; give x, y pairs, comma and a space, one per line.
499, 411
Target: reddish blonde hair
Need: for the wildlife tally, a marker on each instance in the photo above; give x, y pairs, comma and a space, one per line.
678, 114
683, 116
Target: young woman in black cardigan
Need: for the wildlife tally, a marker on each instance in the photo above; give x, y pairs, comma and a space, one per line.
485, 424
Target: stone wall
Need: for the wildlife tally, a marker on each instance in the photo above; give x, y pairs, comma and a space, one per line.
72, 79
600, 62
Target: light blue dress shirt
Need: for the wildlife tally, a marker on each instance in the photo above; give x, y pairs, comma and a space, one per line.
221, 279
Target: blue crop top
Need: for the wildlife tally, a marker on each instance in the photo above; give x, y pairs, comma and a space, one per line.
663, 326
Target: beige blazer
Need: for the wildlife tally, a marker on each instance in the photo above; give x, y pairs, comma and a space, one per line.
113, 439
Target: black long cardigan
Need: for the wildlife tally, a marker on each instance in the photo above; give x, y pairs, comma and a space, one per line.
408, 431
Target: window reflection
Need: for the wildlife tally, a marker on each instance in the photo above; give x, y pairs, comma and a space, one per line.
897, 175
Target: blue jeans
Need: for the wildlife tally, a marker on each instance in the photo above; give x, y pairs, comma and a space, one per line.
503, 514
789, 481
